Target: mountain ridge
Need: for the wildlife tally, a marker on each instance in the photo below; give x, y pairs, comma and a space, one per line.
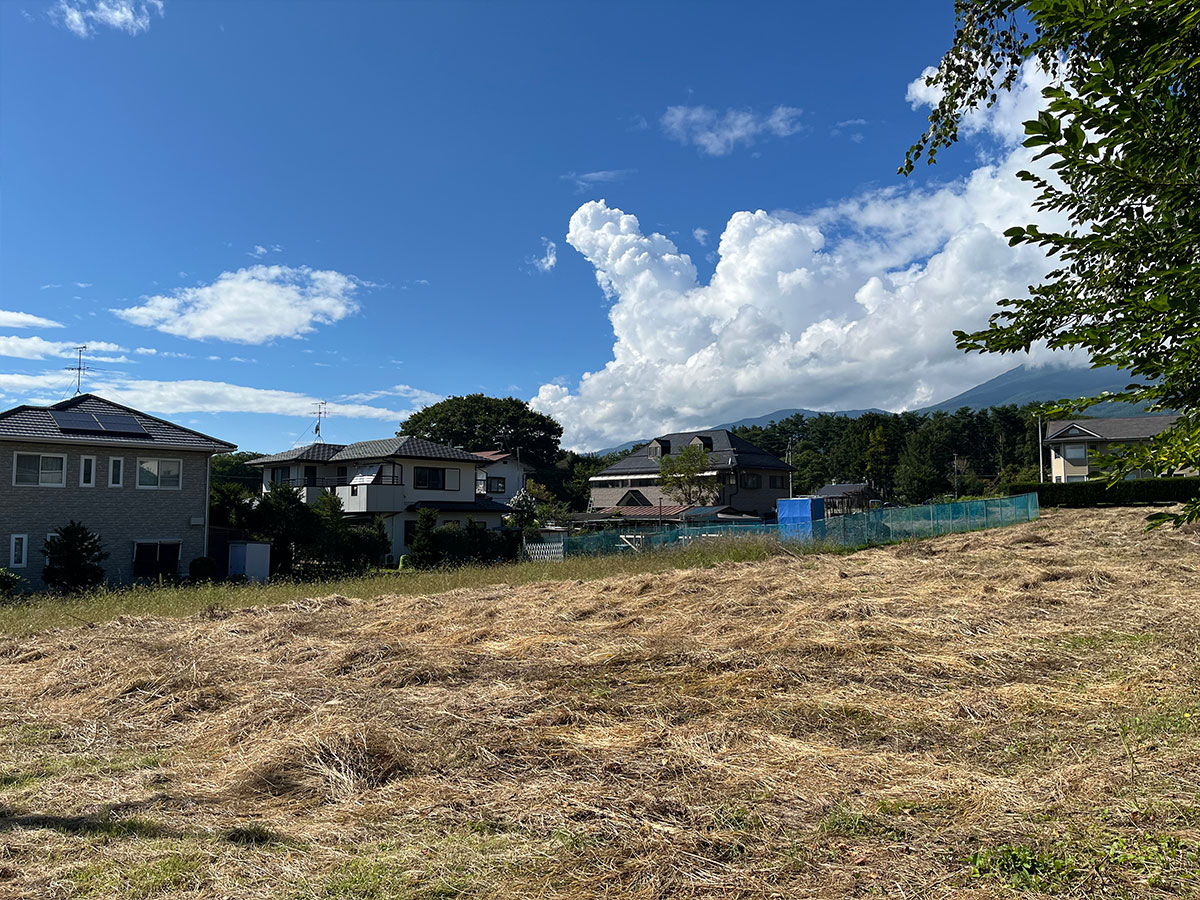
1019, 385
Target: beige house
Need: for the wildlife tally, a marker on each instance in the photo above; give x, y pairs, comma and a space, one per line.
750, 479
1074, 443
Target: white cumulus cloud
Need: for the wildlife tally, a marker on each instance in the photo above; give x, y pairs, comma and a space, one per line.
718, 133
701, 235
252, 305
83, 17
850, 305
11, 319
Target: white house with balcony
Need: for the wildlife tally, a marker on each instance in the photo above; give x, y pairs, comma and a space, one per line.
504, 478
394, 478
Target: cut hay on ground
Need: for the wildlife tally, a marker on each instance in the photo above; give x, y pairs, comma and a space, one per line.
971, 715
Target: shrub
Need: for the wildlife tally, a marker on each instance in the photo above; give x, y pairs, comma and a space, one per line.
1080, 494
10, 584
423, 552
202, 568
73, 559
452, 545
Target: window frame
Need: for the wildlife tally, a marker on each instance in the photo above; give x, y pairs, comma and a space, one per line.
1075, 459
776, 482
12, 546
493, 480
158, 461
417, 470
40, 456
83, 460
751, 481
120, 482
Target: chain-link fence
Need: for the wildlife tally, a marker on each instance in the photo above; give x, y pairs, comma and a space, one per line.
876, 526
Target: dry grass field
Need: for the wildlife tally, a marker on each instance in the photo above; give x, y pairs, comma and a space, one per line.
985, 715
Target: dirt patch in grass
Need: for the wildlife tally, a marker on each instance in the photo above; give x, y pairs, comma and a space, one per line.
1008, 712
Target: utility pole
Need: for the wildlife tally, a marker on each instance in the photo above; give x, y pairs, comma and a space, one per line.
955, 476
1041, 455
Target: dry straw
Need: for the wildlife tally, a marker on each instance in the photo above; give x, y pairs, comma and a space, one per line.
979, 713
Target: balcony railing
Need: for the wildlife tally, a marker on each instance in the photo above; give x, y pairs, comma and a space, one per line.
339, 481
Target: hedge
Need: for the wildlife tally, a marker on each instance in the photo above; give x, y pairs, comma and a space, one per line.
1100, 493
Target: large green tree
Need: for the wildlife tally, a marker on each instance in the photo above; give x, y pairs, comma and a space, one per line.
686, 477
479, 422
1118, 145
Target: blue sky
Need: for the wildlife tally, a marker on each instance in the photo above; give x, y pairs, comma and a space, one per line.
242, 208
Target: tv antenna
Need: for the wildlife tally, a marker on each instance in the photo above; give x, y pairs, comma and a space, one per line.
79, 368
321, 413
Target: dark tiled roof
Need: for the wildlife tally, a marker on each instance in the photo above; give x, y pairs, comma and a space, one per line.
480, 504
1128, 428
487, 457
406, 446
728, 452
34, 423
311, 453
841, 490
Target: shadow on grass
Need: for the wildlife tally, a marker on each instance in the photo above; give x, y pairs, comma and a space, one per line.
101, 825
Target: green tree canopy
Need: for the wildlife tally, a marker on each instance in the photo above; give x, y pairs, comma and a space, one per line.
682, 477
74, 558
1118, 141
479, 422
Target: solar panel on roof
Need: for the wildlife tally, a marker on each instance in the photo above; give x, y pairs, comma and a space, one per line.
120, 423
76, 421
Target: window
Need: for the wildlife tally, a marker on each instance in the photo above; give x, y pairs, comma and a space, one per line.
429, 478
410, 531
159, 474
433, 478
776, 482
116, 471
342, 473
154, 558
1075, 452
495, 485
280, 474
750, 480
87, 471
1076, 478
18, 551
40, 469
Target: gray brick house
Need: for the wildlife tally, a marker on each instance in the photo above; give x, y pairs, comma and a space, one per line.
139, 482
751, 480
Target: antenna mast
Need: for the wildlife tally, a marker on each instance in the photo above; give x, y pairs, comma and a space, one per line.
321, 413
79, 368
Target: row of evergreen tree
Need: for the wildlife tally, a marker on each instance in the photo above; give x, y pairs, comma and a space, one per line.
908, 457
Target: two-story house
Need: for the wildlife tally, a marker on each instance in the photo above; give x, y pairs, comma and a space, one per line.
394, 478
750, 479
1073, 442
504, 477
139, 482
